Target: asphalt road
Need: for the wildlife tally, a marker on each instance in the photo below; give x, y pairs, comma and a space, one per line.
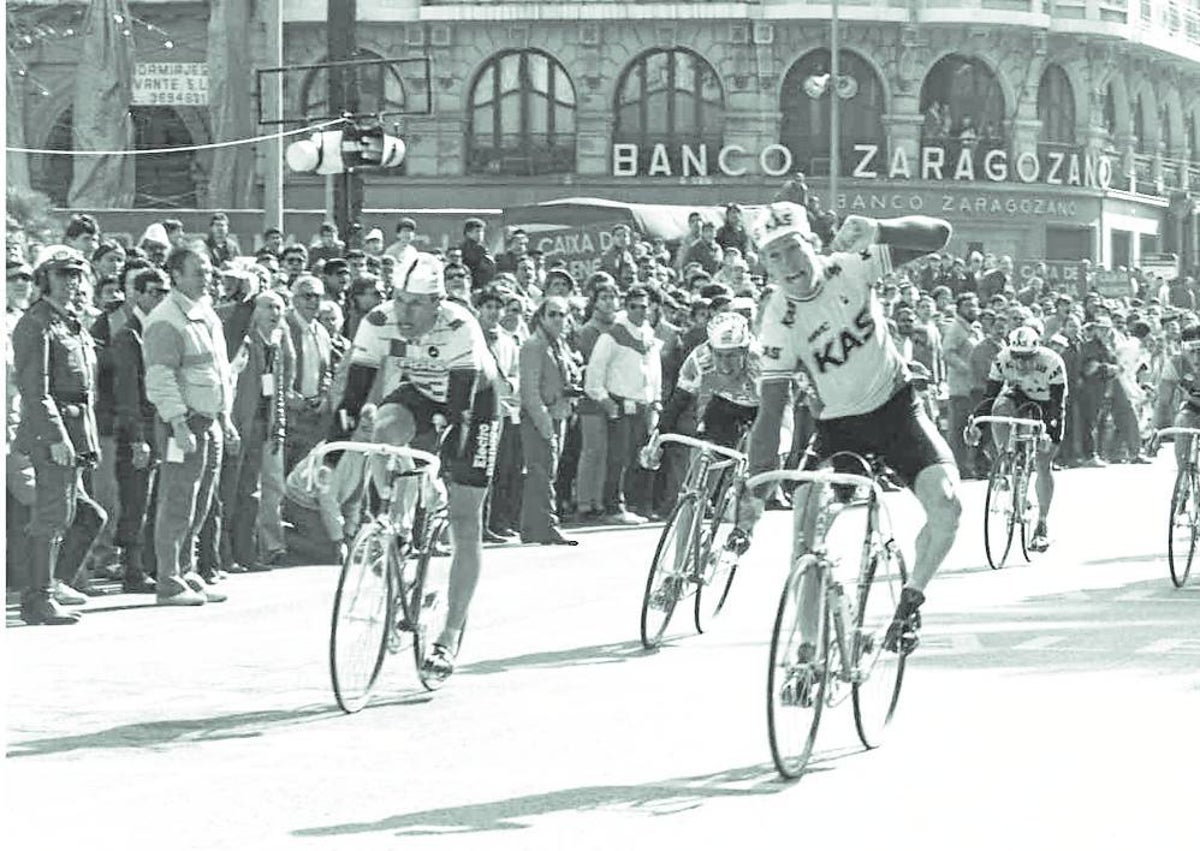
1050, 706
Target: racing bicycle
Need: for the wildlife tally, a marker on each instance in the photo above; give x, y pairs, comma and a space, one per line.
847, 654
1010, 501
690, 557
388, 593
1185, 507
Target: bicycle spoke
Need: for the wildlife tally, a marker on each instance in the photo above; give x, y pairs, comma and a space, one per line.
362, 613
795, 685
1181, 539
998, 517
719, 565
878, 672
670, 577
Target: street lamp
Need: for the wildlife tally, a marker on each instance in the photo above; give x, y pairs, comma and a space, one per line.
844, 89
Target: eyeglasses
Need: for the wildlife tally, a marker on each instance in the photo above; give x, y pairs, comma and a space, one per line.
293, 261
158, 291
310, 296
636, 306
555, 314
456, 277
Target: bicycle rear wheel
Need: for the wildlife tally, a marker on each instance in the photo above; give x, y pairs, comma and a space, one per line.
796, 691
1181, 534
715, 566
998, 517
430, 603
362, 618
670, 571
878, 673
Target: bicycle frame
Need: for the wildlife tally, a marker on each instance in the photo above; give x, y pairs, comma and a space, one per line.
877, 536
1019, 451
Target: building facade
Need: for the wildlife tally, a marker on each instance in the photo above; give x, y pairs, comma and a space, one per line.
1055, 128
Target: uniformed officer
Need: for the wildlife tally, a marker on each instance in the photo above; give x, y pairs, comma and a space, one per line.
55, 365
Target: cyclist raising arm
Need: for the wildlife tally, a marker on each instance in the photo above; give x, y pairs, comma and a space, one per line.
1025, 373
826, 320
425, 359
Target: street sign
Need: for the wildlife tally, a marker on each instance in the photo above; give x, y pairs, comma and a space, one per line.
170, 84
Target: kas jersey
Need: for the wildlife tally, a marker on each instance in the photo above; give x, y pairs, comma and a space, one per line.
455, 342
1034, 379
837, 336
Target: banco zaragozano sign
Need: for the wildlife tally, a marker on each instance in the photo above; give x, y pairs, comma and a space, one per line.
933, 162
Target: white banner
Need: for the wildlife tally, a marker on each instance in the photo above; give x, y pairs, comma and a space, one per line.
170, 84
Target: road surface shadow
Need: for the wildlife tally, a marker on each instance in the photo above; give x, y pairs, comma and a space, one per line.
662, 798
241, 725
596, 654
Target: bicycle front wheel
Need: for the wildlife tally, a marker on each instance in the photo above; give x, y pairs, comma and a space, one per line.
796, 686
998, 516
716, 566
362, 618
670, 571
1181, 535
878, 673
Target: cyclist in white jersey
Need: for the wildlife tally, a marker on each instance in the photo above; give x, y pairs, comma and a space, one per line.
825, 320
426, 362
1027, 377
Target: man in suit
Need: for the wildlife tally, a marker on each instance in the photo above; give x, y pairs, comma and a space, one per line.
136, 453
308, 397
550, 381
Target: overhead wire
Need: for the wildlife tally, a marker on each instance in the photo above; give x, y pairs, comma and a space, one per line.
179, 149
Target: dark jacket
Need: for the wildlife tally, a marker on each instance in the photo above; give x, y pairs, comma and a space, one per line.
54, 360
548, 371
276, 358
104, 330
134, 415
479, 260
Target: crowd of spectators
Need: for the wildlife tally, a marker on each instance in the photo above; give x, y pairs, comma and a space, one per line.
187, 484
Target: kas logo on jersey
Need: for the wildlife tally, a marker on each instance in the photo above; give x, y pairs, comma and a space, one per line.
837, 350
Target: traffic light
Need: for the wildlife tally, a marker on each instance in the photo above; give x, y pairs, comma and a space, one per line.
347, 149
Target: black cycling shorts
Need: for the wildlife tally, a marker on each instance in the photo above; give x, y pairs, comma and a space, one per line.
1030, 409
726, 422
468, 452
899, 432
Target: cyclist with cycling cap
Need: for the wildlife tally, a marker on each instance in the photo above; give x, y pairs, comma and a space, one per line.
426, 361
825, 319
1025, 376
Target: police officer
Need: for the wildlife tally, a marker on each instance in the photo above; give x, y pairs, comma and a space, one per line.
55, 364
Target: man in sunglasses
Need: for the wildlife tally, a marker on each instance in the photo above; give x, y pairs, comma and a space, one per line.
307, 405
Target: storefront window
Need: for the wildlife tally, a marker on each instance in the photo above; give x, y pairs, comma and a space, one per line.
521, 117
667, 99
806, 119
1056, 107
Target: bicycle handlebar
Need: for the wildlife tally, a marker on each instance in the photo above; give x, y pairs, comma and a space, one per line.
1012, 421
684, 440
1178, 431
828, 477
431, 461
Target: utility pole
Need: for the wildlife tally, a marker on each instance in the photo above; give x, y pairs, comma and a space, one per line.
343, 98
835, 117
273, 95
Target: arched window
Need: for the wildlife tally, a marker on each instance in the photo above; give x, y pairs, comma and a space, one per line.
671, 97
1056, 107
379, 87
960, 96
51, 175
521, 116
164, 180
805, 129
